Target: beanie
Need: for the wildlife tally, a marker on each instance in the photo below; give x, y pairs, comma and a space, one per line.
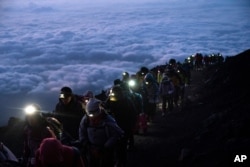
92, 107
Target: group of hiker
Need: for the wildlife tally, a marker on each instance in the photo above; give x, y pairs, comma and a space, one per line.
98, 132
89, 130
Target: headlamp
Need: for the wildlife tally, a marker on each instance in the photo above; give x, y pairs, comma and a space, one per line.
112, 94
90, 115
131, 83
64, 95
30, 110
93, 113
112, 97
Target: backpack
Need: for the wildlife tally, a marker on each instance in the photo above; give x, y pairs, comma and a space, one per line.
107, 125
138, 101
166, 87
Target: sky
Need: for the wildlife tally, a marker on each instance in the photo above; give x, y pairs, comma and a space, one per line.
45, 45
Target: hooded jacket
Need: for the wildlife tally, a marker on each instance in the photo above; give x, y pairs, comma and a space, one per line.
52, 153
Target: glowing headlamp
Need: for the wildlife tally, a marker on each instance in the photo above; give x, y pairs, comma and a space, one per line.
112, 96
90, 115
93, 113
30, 110
64, 95
131, 83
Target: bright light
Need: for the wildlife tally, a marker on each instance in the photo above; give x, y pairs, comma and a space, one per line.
29, 110
90, 115
111, 94
131, 83
112, 97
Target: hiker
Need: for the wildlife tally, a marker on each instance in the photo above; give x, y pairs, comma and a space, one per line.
121, 106
177, 81
69, 112
52, 153
136, 103
35, 131
152, 95
99, 135
166, 90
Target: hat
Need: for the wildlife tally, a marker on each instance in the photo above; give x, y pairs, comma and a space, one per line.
92, 107
51, 151
117, 81
65, 92
89, 94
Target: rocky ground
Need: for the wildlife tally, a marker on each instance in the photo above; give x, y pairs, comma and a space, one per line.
210, 130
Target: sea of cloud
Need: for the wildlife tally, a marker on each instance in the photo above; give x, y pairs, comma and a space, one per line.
47, 45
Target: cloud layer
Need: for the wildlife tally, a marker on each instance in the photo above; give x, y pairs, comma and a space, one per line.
44, 46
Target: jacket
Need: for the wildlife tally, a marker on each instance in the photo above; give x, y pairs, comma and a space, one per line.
53, 153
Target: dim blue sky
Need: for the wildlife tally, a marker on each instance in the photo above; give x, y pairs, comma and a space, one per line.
46, 44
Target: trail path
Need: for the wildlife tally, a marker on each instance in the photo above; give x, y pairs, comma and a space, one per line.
161, 146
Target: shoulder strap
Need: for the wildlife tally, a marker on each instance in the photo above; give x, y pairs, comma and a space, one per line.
76, 156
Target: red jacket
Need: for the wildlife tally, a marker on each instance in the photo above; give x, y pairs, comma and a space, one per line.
52, 153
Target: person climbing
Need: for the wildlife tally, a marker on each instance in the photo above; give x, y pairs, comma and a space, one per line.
99, 135
166, 90
123, 109
69, 112
152, 95
36, 129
